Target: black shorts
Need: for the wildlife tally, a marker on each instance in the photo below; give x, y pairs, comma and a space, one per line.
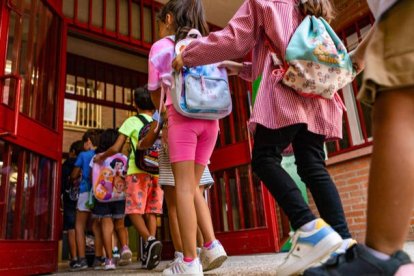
114, 209
69, 217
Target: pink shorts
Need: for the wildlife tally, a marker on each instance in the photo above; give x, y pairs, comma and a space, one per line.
190, 139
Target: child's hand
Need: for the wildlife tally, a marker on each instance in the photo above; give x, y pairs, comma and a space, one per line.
178, 63
357, 61
233, 68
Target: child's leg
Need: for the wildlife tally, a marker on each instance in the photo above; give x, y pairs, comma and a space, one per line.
97, 232
200, 239
203, 212
72, 243
80, 225
121, 231
107, 230
266, 163
391, 181
151, 221
136, 200
310, 159
169, 193
140, 225
185, 185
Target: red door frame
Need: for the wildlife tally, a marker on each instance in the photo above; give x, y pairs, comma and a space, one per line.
21, 257
246, 241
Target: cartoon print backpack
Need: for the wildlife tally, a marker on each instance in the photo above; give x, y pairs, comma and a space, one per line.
147, 160
108, 178
316, 61
200, 92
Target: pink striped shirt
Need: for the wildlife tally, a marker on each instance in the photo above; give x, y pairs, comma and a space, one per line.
276, 105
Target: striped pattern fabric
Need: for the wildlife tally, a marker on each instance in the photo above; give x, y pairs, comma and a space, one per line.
166, 176
276, 105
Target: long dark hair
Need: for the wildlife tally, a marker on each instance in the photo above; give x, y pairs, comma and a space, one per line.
187, 14
318, 8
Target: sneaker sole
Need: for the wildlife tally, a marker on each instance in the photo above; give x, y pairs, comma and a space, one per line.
125, 259
124, 262
216, 263
154, 251
78, 268
324, 248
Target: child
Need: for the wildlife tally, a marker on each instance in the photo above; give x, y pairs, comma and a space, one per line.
190, 142
90, 141
111, 213
69, 198
281, 117
211, 255
143, 194
388, 82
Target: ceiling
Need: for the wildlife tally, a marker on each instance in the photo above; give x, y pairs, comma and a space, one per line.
218, 12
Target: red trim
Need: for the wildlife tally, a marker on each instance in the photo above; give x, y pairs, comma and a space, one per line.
229, 203
27, 257
230, 156
240, 202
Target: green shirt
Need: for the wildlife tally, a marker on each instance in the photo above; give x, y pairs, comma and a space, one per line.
131, 128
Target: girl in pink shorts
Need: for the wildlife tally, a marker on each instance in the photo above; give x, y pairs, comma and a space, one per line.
190, 141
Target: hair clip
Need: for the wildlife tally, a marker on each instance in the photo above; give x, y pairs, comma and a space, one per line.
303, 1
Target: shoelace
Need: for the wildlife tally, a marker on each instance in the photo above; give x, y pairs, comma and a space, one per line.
294, 235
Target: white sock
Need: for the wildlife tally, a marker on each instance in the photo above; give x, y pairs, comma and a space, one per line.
150, 238
378, 254
308, 226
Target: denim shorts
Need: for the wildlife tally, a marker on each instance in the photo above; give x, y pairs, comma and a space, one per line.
114, 209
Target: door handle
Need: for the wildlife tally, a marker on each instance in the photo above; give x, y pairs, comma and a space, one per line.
16, 102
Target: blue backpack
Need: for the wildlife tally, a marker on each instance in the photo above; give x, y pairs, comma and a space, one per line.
316, 62
200, 92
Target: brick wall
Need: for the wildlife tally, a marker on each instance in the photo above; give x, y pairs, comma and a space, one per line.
351, 178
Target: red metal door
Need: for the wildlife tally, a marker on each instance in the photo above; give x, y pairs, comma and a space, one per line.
243, 211
32, 47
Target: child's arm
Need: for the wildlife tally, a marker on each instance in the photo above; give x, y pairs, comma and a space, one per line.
233, 42
116, 148
243, 70
76, 172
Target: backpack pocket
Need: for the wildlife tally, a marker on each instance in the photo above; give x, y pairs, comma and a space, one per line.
207, 93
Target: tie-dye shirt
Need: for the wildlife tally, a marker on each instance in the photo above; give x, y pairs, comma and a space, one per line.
159, 65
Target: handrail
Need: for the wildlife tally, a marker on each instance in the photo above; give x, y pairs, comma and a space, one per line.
16, 102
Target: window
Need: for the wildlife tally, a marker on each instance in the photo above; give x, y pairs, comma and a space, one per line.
357, 120
82, 114
98, 95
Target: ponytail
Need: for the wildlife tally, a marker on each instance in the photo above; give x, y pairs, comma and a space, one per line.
187, 14
318, 8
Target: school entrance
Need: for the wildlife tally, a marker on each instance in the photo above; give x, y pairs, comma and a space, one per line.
32, 47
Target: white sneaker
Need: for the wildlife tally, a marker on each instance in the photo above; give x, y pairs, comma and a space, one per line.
109, 264
178, 256
309, 247
183, 268
213, 256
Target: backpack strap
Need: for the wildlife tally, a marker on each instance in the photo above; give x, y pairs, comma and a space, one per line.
145, 122
142, 119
